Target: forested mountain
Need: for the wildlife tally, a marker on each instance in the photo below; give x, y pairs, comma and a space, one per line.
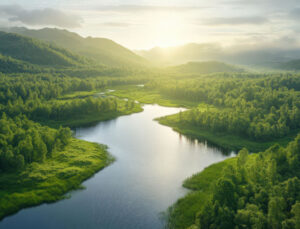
205, 68
103, 51
36, 52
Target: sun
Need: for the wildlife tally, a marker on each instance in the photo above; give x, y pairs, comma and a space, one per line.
167, 30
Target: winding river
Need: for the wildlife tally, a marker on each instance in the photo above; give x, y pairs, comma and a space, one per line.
152, 161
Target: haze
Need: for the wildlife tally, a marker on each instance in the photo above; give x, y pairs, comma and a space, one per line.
146, 24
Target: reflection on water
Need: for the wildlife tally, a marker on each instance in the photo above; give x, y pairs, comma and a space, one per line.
205, 143
152, 161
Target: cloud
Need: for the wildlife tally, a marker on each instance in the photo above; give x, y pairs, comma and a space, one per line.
144, 8
236, 21
295, 14
116, 24
47, 16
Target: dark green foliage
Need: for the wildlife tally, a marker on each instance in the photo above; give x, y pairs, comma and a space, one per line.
23, 142
255, 192
11, 65
257, 107
38, 183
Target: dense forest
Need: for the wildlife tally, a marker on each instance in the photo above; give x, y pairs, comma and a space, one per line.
259, 107
23, 141
250, 191
43, 85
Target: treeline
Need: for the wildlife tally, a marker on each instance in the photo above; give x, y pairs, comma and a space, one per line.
27, 87
38, 97
62, 110
23, 141
255, 106
41, 98
258, 192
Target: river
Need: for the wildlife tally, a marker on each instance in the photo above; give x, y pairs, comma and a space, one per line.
151, 163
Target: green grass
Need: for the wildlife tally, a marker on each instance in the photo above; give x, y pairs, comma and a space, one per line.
144, 95
183, 213
86, 119
77, 95
50, 181
226, 141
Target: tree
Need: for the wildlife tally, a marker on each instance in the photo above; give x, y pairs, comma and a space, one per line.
250, 217
296, 212
276, 212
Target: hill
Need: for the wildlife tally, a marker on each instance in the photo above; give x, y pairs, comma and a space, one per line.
35, 52
293, 65
101, 50
205, 67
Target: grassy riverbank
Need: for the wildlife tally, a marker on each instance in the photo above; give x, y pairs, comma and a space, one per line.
183, 213
86, 119
88, 114
49, 181
226, 141
147, 96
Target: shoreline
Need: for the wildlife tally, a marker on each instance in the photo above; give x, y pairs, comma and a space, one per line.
52, 180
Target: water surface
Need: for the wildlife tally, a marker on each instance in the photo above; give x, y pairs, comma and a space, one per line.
152, 161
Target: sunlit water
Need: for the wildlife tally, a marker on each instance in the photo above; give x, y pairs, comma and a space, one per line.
152, 161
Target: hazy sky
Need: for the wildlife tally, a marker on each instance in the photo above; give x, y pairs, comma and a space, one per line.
147, 23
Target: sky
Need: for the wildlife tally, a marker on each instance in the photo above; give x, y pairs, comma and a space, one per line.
144, 24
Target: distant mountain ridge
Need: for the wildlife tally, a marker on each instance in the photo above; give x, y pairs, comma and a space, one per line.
100, 50
248, 55
205, 67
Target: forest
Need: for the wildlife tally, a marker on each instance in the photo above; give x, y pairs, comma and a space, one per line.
23, 142
257, 107
42, 98
249, 191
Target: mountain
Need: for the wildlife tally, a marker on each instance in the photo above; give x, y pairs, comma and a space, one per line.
246, 55
205, 68
181, 54
101, 50
24, 49
293, 65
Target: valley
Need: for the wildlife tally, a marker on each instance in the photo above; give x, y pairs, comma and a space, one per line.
103, 133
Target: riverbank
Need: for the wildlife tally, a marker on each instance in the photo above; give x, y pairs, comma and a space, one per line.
148, 96
49, 181
226, 141
184, 212
86, 119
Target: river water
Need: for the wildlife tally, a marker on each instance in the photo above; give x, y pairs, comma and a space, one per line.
151, 162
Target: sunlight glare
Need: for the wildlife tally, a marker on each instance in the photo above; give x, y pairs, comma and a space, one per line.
167, 30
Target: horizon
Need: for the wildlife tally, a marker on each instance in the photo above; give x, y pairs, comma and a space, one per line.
143, 25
